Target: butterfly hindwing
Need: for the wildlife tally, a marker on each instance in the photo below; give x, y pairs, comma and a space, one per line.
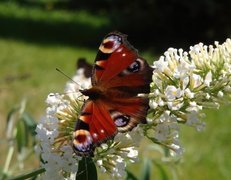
101, 120
94, 126
126, 114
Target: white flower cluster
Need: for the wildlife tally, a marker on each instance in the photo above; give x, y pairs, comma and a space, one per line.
56, 160
185, 83
112, 156
54, 132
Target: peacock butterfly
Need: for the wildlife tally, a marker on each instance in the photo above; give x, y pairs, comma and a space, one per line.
119, 75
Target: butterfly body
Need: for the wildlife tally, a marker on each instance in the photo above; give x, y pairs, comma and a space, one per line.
113, 106
94, 93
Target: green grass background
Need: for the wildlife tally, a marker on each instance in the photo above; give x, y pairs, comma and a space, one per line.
27, 70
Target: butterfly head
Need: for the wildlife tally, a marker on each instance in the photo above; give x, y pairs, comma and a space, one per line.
93, 93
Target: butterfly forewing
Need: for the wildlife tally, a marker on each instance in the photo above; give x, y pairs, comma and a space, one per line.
115, 54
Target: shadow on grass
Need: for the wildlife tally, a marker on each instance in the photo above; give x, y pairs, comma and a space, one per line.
48, 32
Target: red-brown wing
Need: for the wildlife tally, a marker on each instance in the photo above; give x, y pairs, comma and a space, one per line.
94, 126
127, 113
101, 120
115, 54
135, 79
118, 65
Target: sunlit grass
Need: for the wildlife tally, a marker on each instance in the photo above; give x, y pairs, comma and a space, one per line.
14, 10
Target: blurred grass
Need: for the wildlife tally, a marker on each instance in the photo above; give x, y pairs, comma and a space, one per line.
207, 154
28, 70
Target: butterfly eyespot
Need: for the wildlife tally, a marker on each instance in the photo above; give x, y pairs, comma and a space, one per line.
110, 44
121, 120
134, 67
82, 140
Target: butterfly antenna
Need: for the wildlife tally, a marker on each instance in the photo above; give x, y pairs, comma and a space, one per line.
60, 71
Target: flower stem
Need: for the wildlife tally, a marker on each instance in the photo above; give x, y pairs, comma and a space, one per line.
29, 175
8, 159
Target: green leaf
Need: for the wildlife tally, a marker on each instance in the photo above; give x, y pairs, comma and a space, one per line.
29, 122
21, 135
163, 173
130, 176
29, 119
146, 170
87, 169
